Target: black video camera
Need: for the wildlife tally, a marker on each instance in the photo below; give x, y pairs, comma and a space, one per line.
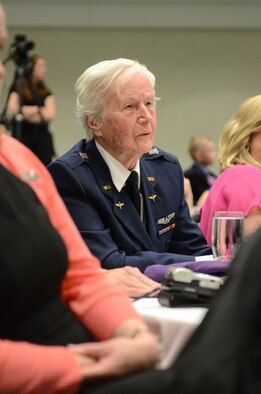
19, 50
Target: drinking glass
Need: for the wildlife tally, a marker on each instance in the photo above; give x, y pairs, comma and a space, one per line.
227, 234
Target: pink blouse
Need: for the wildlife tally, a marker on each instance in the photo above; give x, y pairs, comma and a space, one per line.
238, 188
24, 367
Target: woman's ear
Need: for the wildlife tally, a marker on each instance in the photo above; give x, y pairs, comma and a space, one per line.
94, 125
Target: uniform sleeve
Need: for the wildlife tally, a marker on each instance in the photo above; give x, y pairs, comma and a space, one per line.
27, 368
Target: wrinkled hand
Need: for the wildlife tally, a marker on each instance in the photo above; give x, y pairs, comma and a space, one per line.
117, 356
132, 280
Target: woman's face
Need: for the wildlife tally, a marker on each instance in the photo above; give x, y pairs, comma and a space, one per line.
39, 71
129, 121
255, 145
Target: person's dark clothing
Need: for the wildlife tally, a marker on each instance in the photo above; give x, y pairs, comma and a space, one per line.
201, 179
32, 271
36, 136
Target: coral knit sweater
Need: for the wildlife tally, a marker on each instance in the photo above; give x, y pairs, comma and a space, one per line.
101, 307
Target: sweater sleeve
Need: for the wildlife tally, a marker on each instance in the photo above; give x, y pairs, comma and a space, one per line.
98, 304
27, 368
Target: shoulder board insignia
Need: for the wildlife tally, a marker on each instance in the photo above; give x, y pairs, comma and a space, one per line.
83, 155
154, 151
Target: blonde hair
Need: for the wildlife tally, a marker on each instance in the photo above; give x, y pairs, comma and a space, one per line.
234, 140
197, 144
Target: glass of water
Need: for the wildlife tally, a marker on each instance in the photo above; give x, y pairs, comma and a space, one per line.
227, 234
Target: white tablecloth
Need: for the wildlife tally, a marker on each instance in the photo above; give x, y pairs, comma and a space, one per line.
174, 326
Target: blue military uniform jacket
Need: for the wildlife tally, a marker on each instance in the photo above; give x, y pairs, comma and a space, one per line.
107, 219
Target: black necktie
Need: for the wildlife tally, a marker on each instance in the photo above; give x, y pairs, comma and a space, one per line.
133, 190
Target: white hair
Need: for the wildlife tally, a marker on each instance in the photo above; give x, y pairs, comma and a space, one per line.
94, 86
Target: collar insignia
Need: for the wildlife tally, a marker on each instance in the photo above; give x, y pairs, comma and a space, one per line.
151, 178
154, 151
152, 197
30, 175
119, 204
83, 155
166, 219
107, 187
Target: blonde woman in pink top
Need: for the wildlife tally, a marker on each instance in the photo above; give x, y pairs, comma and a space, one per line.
238, 187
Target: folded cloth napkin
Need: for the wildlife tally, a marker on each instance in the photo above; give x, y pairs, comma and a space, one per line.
212, 267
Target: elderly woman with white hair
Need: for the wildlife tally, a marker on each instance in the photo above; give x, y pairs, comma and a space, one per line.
116, 103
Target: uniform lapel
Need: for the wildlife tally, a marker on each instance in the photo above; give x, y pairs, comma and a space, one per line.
122, 206
127, 214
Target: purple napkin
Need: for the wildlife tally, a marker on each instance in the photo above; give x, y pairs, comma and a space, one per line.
211, 267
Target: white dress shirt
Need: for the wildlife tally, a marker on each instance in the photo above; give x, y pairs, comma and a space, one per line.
119, 173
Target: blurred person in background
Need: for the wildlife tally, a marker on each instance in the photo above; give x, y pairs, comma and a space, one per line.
188, 195
202, 151
34, 101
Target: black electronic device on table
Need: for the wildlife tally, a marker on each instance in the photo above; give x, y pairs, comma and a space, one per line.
183, 287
